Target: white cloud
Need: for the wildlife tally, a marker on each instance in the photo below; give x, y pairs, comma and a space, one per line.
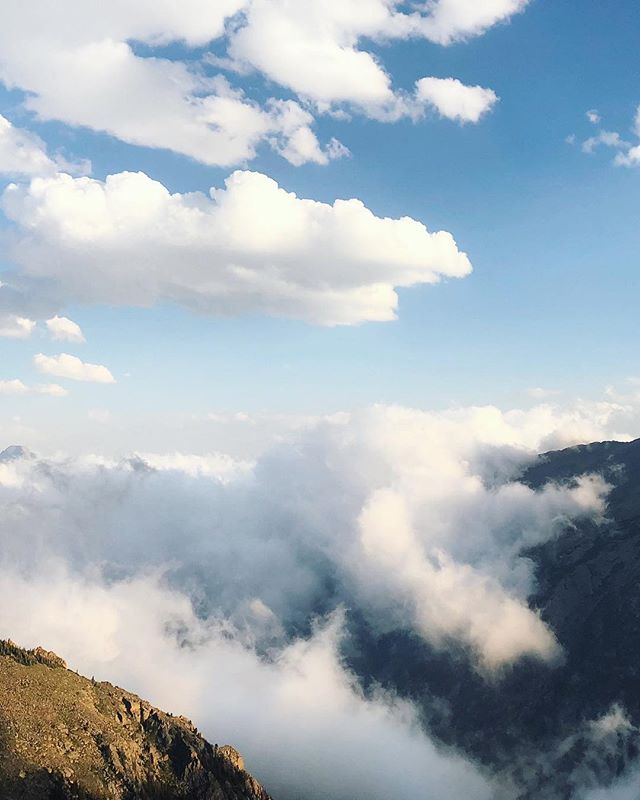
296, 141
52, 389
13, 387
15, 327
446, 598
234, 695
21, 152
194, 22
454, 20
627, 153
17, 387
594, 116
454, 100
313, 49
606, 138
64, 329
71, 367
630, 158
88, 74
249, 247
219, 466
362, 509
376, 500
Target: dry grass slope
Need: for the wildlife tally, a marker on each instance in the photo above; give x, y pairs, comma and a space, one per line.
63, 736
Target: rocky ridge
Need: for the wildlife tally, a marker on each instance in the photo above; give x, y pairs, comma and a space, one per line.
65, 737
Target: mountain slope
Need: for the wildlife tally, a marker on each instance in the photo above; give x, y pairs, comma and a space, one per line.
63, 736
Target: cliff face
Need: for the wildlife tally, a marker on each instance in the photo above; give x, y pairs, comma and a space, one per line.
63, 736
589, 583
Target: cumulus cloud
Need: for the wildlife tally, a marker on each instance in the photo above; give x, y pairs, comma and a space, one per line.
71, 367
89, 74
454, 100
153, 102
628, 157
313, 48
15, 327
17, 387
455, 20
251, 246
64, 329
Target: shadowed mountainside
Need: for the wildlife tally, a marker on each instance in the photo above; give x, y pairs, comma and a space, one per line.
535, 720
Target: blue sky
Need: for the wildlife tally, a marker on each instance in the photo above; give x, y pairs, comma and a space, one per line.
550, 230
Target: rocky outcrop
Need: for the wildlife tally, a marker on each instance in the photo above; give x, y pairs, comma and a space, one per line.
65, 737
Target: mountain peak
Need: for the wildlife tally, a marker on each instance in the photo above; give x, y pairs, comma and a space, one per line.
15, 452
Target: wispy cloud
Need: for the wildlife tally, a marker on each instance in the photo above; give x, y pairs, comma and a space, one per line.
17, 387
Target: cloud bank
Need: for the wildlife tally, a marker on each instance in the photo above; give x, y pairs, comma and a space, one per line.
261, 705
375, 501
218, 588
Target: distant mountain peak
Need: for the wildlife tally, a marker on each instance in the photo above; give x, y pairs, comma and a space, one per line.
16, 452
